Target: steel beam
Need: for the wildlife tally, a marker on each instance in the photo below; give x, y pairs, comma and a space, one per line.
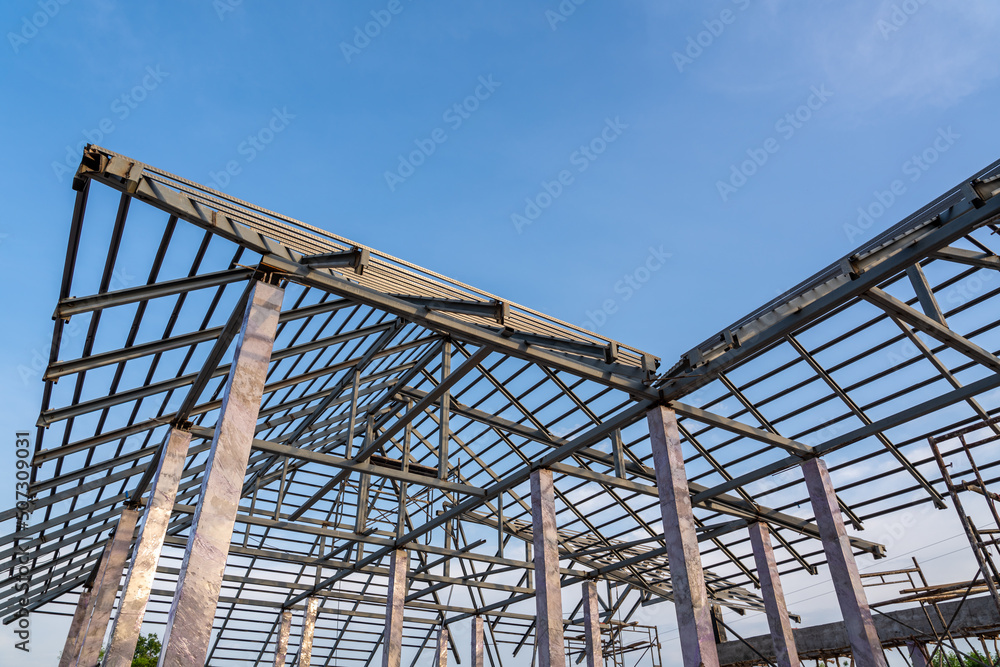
721, 503
518, 476
85, 304
969, 257
925, 294
939, 402
592, 625
548, 589
392, 640
356, 259
281, 650
106, 588
833, 287
308, 629
865, 645
192, 612
932, 328
497, 310
156, 517
423, 404
694, 615
786, 655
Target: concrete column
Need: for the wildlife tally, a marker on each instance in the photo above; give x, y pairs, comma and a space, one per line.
441, 648
281, 651
865, 645
189, 623
694, 614
785, 652
135, 595
72, 648
918, 656
548, 590
392, 641
106, 588
478, 642
592, 625
308, 628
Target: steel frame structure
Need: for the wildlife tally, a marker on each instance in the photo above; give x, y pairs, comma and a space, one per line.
402, 410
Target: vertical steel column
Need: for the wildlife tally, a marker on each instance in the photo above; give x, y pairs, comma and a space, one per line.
785, 652
865, 645
592, 625
72, 648
361, 521
308, 628
392, 640
106, 588
135, 595
694, 614
281, 651
445, 413
478, 642
441, 648
189, 623
548, 589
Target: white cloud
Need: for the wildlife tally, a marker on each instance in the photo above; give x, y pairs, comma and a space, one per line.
935, 55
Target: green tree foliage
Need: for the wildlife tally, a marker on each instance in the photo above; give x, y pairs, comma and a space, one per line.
973, 659
147, 651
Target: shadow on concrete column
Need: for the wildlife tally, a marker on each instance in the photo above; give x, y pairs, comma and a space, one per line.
865, 645
548, 587
189, 623
694, 614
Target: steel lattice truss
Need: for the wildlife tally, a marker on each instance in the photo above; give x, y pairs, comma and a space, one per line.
404, 408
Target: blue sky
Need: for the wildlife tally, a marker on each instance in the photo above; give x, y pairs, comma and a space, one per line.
653, 170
